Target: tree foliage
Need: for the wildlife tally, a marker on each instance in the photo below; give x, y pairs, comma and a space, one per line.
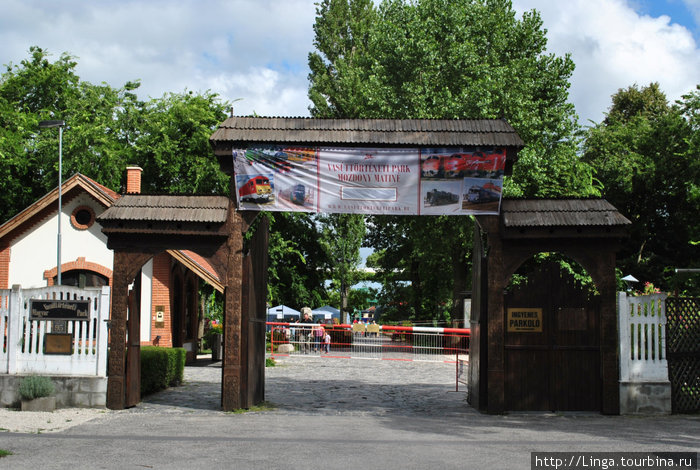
451, 59
296, 259
645, 153
106, 130
342, 236
446, 59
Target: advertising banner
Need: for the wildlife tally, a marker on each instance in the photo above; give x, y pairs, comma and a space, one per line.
397, 181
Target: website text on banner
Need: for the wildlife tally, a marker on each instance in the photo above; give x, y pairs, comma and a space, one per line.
425, 181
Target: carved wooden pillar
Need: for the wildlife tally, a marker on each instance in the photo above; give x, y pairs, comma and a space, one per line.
233, 354
117, 333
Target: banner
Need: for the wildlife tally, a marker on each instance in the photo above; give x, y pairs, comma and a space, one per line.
420, 181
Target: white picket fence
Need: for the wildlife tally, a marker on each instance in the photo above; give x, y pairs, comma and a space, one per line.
642, 323
23, 350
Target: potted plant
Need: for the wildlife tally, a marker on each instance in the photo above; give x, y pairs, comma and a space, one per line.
36, 392
212, 340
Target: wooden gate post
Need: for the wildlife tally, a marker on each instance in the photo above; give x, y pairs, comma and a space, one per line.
233, 354
117, 334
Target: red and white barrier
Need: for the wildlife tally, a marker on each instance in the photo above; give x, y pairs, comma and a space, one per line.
383, 342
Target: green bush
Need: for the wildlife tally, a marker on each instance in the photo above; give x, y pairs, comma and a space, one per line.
161, 368
35, 386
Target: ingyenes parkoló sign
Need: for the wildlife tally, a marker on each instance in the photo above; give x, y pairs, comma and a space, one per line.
524, 320
420, 181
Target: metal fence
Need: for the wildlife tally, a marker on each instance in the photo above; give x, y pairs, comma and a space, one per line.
368, 341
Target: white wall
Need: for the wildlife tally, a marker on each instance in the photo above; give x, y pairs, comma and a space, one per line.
35, 251
146, 298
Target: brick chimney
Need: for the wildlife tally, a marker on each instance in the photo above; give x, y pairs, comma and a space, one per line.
133, 179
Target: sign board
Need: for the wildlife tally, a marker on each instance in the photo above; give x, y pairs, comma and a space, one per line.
59, 309
58, 343
524, 320
394, 181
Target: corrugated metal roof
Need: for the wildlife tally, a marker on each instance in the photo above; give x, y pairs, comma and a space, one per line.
163, 208
560, 213
423, 132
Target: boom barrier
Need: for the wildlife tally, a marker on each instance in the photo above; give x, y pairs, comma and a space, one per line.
383, 342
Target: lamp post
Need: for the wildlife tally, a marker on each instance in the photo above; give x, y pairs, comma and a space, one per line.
60, 125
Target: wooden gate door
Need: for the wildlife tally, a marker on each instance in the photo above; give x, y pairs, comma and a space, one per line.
552, 345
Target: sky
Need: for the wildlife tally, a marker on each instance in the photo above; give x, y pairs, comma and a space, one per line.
254, 53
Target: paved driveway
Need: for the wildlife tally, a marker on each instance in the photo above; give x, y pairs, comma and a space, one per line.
335, 414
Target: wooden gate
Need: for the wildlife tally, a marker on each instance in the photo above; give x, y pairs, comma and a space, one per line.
552, 344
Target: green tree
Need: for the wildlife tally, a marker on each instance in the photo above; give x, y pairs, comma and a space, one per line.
296, 260
106, 130
94, 141
645, 153
172, 145
452, 59
430, 253
341, 238
447, 59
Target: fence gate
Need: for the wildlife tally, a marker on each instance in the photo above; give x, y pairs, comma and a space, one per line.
552, 345
683, 353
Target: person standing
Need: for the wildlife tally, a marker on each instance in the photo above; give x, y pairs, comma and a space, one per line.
305, 330
318, 336
327, 342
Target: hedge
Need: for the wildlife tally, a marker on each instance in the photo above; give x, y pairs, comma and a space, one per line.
161, 368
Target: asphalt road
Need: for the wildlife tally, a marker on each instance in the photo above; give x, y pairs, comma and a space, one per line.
336, 414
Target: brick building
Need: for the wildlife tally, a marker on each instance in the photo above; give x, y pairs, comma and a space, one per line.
170, 312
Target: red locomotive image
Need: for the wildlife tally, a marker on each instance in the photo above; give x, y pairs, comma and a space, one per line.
256, 189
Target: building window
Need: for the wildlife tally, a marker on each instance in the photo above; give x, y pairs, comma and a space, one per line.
82, 217
82, 278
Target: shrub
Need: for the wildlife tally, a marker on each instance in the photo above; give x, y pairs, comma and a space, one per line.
270, 362
161, 368
36, 386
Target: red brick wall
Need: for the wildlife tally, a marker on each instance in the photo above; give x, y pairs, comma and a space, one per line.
161, 296
133, 180
5, 267
79, 263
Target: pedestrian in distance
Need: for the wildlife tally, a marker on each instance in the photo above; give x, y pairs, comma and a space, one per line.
318, 336
327, 342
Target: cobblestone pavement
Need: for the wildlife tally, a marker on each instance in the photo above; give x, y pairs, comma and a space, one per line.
323, 385
335, 414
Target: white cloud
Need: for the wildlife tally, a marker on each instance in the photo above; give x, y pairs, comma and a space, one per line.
260, 90
173, 46
613, 47
256, 50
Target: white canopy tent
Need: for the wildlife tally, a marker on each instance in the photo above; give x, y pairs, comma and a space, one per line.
327, 312
281, 312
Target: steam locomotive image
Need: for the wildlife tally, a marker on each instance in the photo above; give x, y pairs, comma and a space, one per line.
435, 197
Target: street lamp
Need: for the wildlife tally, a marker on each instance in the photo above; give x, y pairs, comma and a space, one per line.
60, 125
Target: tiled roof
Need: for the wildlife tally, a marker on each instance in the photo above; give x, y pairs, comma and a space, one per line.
560, 213
43, 207
113, 194
164, 208
413, 132
199, 265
